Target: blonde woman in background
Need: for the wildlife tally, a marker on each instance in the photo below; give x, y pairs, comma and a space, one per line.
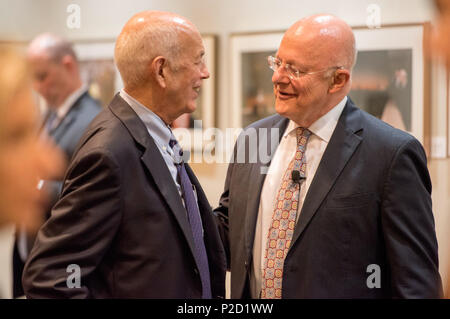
24, 158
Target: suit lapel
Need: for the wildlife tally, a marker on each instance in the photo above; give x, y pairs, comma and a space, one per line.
58, 132
341, 147
154, 163
258, 172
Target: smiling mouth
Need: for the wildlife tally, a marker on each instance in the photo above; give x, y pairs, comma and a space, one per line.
284, 95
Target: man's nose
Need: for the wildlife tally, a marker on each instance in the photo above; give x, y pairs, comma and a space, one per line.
205, 72
280, 76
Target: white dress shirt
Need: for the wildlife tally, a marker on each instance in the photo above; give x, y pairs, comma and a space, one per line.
321, 130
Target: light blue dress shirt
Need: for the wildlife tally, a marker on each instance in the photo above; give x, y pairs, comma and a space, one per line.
158, 130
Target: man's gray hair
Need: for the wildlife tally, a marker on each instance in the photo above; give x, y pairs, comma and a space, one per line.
54, 46
135, 50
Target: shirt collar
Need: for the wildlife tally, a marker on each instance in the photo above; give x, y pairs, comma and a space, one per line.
325, 125
70, 101
156, 127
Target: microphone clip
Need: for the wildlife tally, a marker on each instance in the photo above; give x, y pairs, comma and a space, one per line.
296, 176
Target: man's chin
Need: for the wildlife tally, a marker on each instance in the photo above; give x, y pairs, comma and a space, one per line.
190, 108
281, 108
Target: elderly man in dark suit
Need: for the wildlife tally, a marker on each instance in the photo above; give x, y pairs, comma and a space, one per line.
133, 220
70, 109
343, 209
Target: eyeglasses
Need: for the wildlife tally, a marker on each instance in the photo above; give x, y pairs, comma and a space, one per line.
292, 71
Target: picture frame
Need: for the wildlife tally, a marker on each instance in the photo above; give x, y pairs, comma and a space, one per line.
396, 41
97, 59
98, 70
251, 85
392, 76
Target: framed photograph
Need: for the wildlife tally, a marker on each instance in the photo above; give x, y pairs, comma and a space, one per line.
206, 101
252, 95
391, 78
98, 70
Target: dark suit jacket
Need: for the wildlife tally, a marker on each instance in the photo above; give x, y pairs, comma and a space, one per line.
369, 203
66, 136
68, 133
122, 221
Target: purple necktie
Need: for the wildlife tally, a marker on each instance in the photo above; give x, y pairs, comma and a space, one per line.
194, 220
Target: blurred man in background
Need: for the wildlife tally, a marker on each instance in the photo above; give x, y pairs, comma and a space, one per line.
70, 109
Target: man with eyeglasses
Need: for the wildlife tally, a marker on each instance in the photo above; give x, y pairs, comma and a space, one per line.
343, 209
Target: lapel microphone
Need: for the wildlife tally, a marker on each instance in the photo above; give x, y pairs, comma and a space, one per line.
296, 178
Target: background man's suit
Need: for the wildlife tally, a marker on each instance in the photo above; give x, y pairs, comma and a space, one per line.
122, 220
69, 132
369, 203
66, 136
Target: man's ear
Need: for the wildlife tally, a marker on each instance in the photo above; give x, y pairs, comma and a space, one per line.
68, 62
158, 70
339, 80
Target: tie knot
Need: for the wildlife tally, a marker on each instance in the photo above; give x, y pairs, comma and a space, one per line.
51, 119
177, 151
303, 135
172, 143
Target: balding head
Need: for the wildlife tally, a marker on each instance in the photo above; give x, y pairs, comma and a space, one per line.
53, 46
330, 37
145, 36
54, 67
321, 49
160, 58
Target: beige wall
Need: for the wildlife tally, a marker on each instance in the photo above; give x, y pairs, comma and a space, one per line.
440, 177
103, 19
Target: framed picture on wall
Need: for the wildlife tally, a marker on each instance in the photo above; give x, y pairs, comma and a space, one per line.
391, 78
98, 70
205, 110
252, 95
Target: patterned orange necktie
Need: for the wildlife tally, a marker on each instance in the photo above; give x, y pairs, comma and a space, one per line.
283, 221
